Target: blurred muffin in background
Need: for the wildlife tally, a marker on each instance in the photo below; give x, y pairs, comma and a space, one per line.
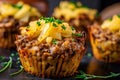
50, 48
105, 39
12, 16
41, 5
75, 13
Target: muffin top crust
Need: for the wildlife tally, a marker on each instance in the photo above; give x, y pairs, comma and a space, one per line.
19, 11
73, 10
51, 36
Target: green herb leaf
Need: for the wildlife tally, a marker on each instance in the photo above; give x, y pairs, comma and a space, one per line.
17, 6
3, 64
89, 54
54, 41
85, 76
72, 28
7, 65
51, 19
12, 54
74, 3
59, 21
63, 27
38, 23
118, 15
77, 34
110, 19
97, 15
54, 25
47, 20
18, 72
27, 26
18, 62
2, 58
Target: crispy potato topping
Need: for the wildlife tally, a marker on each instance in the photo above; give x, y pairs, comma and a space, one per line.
47, 28
72, 10
20, 11
112, 24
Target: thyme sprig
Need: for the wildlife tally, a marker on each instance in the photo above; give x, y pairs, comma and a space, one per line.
2, 58
9, 64
85, 76
6, 66
18, 72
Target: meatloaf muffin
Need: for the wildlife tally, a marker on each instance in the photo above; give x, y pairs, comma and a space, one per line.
105, 40
12, 16
49, 47
75, 13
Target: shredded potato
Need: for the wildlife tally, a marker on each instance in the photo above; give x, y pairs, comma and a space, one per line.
19, 11
25, 9
74, 10
113, 25
7, 10
42, 30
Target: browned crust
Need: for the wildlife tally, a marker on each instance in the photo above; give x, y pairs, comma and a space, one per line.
102, 56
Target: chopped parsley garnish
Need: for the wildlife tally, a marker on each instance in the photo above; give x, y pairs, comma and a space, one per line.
97, 15
59, 21
47, 20
38, 23
17, 6
54, 25
74, 3
27, 26
63, 27
54, 41
72, 28
110, 19
118, 15
77, 4
78, 34
51, 19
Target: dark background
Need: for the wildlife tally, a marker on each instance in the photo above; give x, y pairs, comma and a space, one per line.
96, 4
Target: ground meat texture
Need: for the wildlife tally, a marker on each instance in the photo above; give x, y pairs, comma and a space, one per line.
9, 27
106, 42
80, 23
51, 60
